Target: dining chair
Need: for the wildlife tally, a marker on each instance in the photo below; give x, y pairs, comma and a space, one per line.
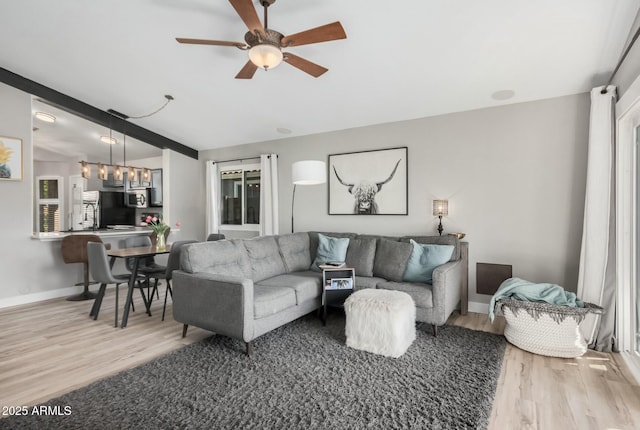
101, 272
173, 263
147, 266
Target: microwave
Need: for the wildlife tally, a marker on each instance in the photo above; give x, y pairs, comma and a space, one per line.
137, 198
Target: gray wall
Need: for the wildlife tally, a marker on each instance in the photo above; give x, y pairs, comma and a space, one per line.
27, 266
184, 179
514, 177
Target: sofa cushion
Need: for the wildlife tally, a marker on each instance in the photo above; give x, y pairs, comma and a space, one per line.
294, 249
264, 257
313, 240
307, 285
223, 257
330, 249
269, 300
438, 240
421, 294
424, 258
363, 282
361, 255
391, 259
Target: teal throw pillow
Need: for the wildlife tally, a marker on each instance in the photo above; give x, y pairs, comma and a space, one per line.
330, 249
424, 258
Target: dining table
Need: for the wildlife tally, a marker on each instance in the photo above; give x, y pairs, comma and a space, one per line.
136, 254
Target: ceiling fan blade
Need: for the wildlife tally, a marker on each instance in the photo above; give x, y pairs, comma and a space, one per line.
306, 66
210, 42
324, 33
247, 71
248, 14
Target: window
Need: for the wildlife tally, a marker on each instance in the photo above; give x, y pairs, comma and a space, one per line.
240, 192
49, 201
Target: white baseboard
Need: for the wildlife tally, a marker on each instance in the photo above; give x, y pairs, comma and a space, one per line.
480, 308
38, 297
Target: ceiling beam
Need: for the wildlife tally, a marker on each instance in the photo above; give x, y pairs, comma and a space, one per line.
90, 113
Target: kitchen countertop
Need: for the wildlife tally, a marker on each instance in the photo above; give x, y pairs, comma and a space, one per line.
103, 232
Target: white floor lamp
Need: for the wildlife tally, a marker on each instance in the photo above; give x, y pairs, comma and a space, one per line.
307, 172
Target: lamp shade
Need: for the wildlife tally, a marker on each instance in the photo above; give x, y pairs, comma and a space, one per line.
440, 207
265, 55
308, 172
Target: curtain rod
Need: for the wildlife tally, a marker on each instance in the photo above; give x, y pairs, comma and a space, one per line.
624, 56
239, 159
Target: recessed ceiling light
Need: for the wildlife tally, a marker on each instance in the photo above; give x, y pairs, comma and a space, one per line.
107, 139
46, 117
283, 130
503, 95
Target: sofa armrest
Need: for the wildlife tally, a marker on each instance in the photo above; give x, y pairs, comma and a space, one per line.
446, 289
219, 303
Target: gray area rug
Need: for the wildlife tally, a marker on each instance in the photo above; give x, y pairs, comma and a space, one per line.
301, 376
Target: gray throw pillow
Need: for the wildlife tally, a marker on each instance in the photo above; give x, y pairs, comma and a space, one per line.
360, 255
391, 259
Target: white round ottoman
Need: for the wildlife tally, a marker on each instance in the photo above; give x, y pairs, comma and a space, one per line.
380, 321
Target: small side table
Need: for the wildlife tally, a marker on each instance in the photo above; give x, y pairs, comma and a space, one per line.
337, 285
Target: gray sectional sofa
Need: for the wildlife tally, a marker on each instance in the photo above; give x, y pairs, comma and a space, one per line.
243, 288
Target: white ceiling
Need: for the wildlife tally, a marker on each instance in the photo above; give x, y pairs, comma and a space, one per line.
74, 138
402, 60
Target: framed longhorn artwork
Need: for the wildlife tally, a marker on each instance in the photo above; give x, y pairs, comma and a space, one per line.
369, 182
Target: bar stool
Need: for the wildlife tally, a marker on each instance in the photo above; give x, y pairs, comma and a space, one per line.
74, 250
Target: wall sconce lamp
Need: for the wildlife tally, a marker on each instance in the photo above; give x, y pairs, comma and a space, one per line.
307, 172
440, 209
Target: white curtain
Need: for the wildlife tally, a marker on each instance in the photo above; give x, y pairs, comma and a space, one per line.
596, 278
268, 194
212, 189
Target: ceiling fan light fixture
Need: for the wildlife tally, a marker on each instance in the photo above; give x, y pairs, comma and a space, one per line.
265, 56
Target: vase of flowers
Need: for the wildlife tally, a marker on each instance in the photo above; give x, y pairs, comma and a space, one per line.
160, 227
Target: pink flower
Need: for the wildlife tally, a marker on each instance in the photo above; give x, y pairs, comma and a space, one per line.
154, 219
148, 220
178, 224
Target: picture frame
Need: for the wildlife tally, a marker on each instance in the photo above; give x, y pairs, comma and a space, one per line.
340, 284
11, 159
371, 182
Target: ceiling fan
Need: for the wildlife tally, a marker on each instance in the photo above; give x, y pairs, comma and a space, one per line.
265, 45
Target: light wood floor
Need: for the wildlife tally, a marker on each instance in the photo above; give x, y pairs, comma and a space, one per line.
52, 347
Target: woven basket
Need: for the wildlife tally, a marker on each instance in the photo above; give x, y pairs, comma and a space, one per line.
545, 329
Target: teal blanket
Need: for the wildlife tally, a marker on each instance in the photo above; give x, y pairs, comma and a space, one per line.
519, 289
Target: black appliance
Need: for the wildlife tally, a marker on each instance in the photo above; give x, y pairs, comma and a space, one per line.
113, 210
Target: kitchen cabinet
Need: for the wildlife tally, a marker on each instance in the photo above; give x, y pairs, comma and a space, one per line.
136, 184
155, 196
